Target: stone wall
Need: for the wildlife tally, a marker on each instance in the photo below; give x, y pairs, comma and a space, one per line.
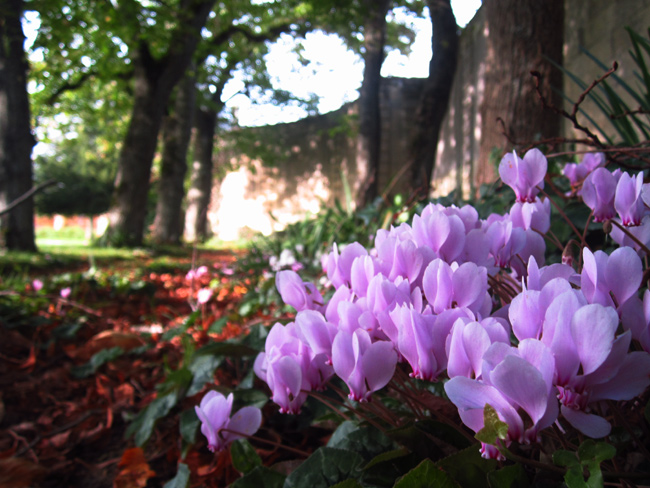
281, 172
291, 169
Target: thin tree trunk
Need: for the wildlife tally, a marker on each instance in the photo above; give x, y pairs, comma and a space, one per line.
154, 81
198, 196
177, 131
16, 138
521, 36
369, 138
435, 96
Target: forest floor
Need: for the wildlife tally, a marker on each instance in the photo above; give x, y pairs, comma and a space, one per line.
63, 417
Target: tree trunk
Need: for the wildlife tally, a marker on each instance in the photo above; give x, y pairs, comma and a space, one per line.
16, 138
177, 130
369, 138
520, 36
154, 81
435, 95
198, 196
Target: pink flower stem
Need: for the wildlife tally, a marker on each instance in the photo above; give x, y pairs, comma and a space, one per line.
629, 234
564, 215
267, 441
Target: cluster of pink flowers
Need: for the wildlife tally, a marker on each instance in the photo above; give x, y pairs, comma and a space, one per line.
551, 349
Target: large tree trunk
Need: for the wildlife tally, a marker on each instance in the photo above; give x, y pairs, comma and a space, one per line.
154, 81
435, 95
520, 36
16, 138
369, 138
177, 131
198, 196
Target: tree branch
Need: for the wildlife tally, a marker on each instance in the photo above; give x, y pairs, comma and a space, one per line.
26, 196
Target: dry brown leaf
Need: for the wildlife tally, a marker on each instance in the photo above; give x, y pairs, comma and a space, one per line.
106, 340
135, 470
19, 473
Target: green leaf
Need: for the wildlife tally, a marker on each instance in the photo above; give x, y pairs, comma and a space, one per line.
562, 457
324, 468
387, 456
591, 450
188, 424
513, 476
349, 483
98, 359
244, 456
229, 349
202, 368
367, 441
493, 427
143, 425
444, 432
388, 466
249, 396
426, 475
217, 326
258, 477
467, 467
182, 478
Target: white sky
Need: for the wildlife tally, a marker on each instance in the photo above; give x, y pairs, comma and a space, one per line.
334, 74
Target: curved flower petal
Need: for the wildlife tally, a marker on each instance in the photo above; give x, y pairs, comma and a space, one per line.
589, 424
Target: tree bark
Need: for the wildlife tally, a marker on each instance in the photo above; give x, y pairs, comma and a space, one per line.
177, 131
154, 80
369, 137
199, 194
435, 95
16, 138
520, 36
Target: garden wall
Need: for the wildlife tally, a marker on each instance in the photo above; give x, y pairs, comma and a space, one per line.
306, 159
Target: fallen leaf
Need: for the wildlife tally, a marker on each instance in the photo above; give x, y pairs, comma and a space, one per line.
18, 472
135, 470
106, 340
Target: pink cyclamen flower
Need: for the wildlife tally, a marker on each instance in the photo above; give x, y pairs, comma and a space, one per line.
301, 295
37, 285
203, 296
627, 201
365, 366
201, 271
65, 292
576, 172
525, 175
598, 192
219, 427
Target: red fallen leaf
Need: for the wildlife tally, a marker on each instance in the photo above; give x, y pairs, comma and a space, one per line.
19, 473
30, 362
106, 340
135, 470
59, 440
124, 394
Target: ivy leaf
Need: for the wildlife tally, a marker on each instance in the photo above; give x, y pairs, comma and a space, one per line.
143, 425
426, 475
260, 476
493, 427
182, 478
324, 468
244, 456
509, 477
